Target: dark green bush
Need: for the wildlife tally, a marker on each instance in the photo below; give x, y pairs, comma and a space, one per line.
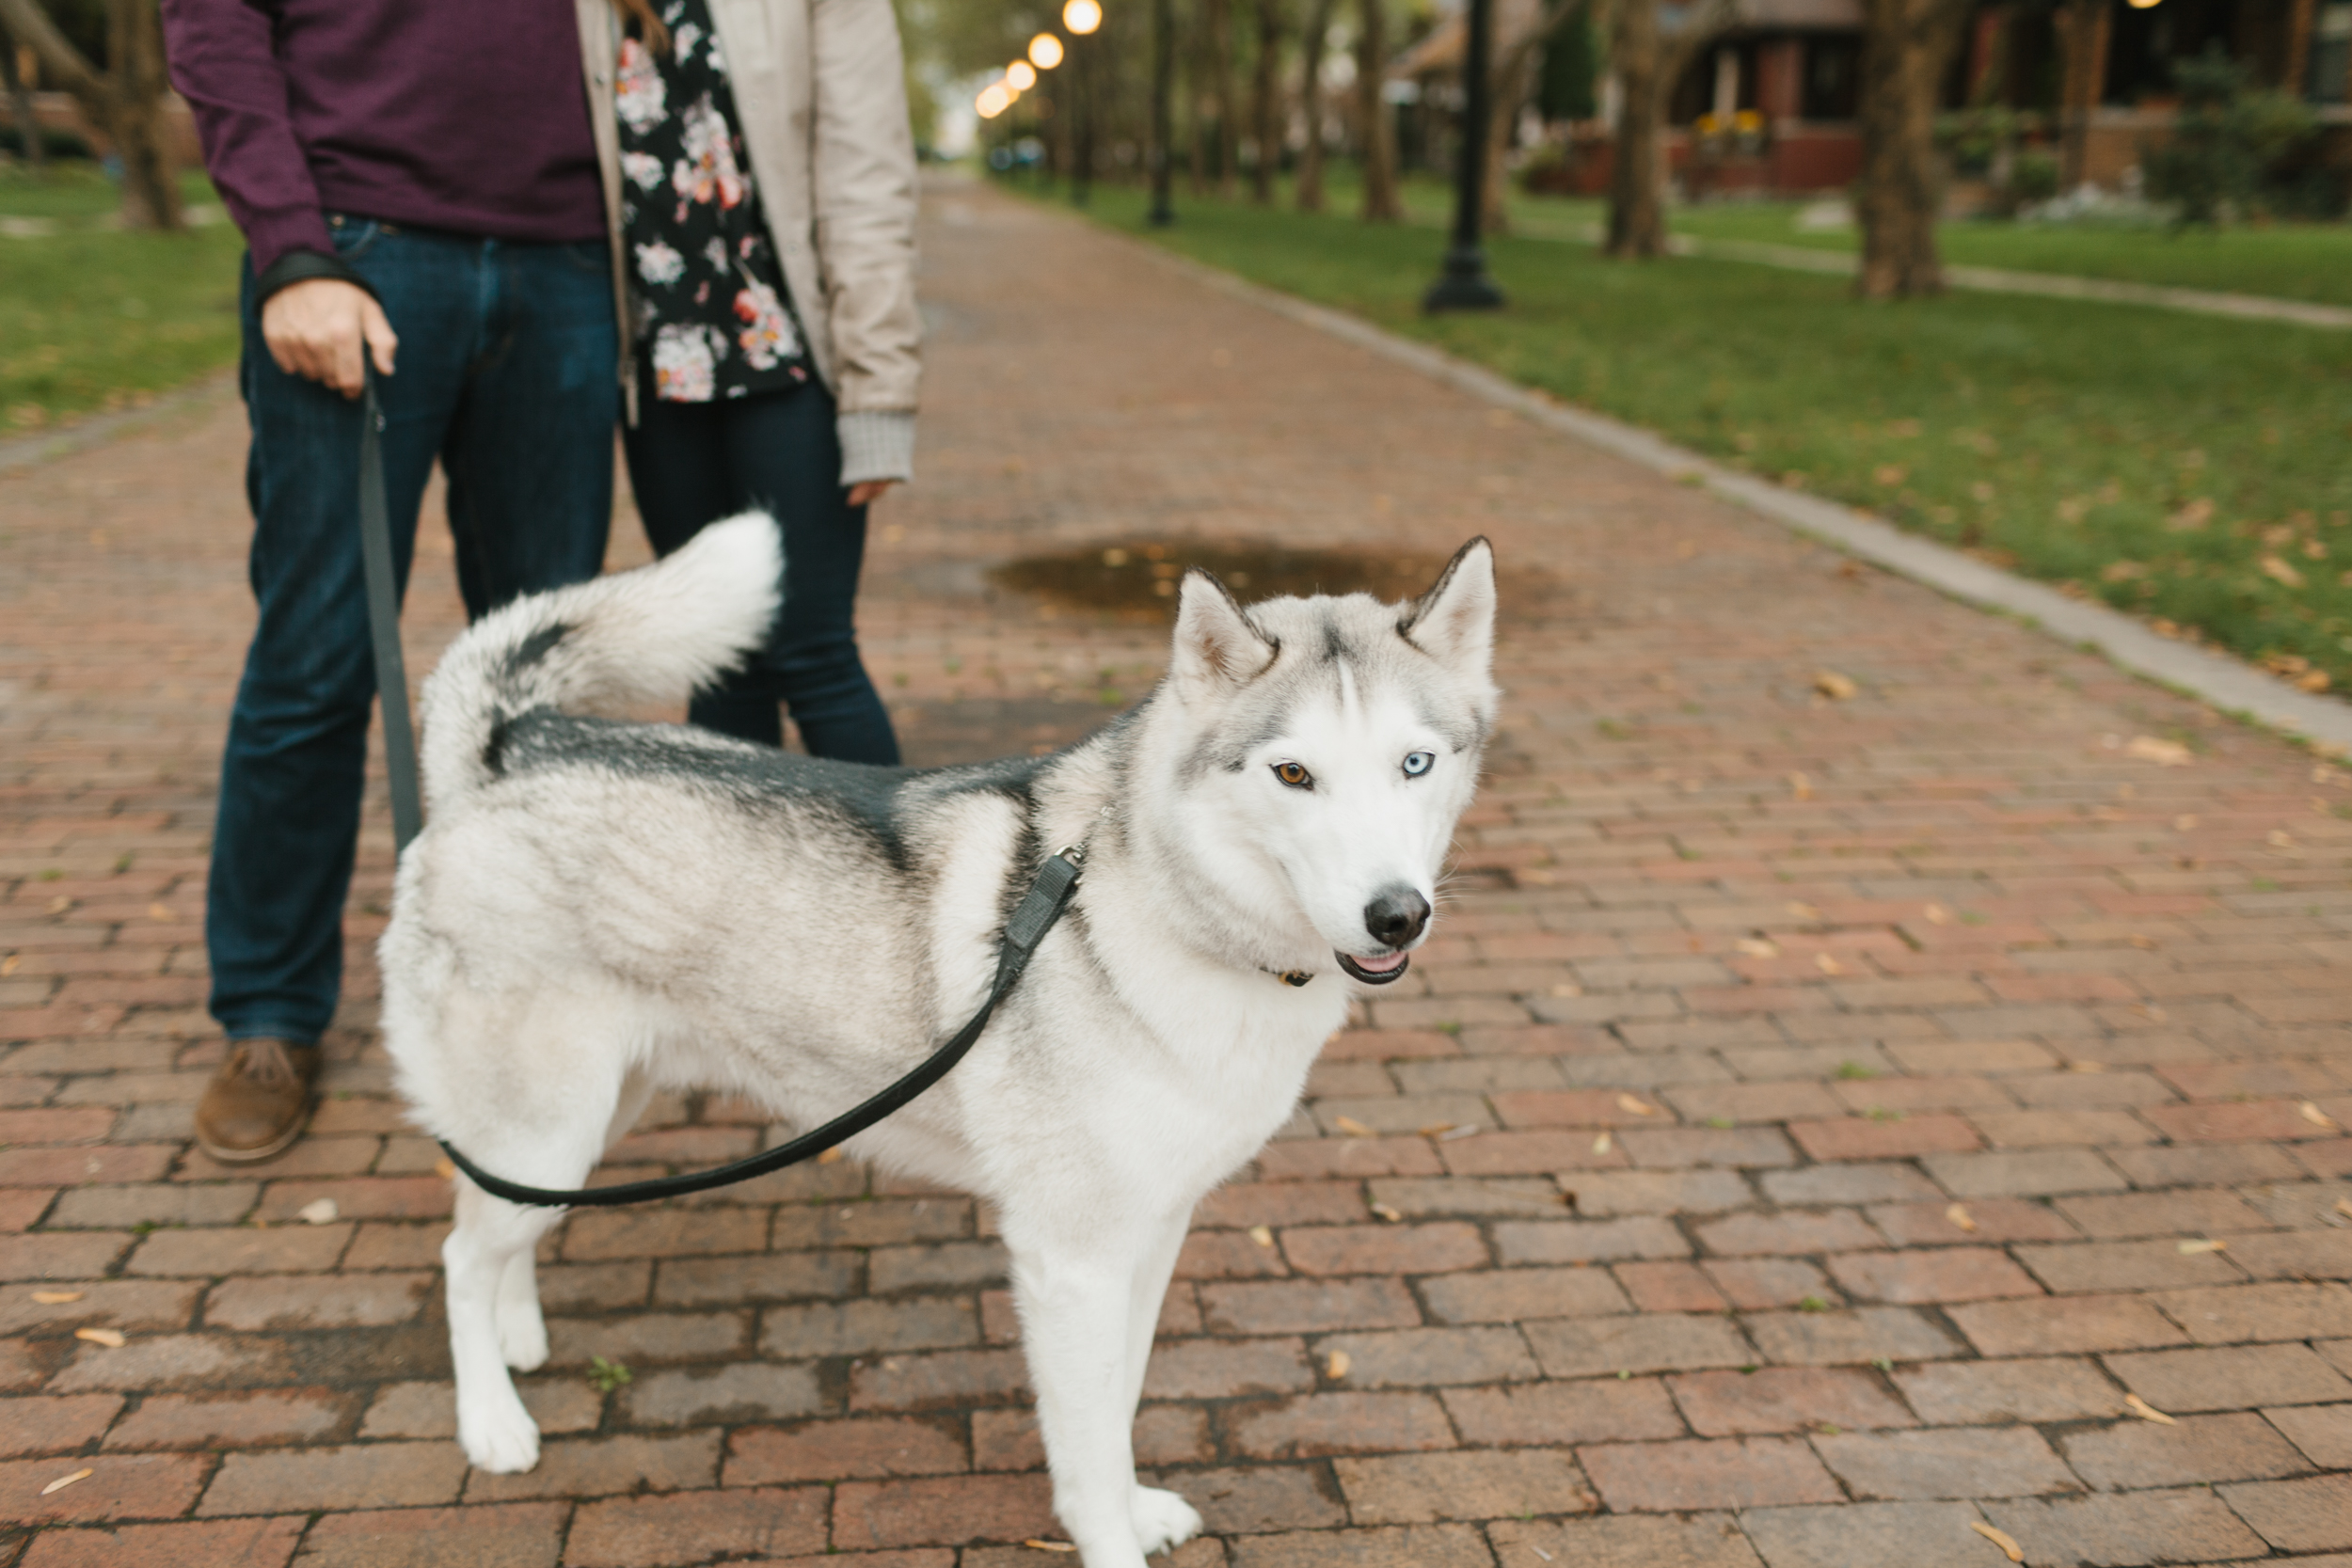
2228, 143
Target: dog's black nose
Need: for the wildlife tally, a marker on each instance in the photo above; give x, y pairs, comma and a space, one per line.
1397, 916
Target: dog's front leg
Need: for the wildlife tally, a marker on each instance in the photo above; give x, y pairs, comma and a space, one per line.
1163, 1519
1076, 1303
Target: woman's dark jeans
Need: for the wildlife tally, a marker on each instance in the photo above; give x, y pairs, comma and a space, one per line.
694, 462
506, 375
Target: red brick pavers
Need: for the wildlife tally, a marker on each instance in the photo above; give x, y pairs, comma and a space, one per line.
1815, 1122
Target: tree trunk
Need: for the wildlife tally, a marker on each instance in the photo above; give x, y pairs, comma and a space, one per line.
1310, 48
126, 103
1513, 78
1637, 206
1906, 45
2083, 27
1265, 107
21, 105
1220, 47
1381, 201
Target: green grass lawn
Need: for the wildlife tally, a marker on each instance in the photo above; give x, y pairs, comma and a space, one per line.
93, 318
2301, 260
2298, 261
2180, 466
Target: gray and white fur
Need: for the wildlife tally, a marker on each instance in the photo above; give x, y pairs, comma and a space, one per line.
601, 909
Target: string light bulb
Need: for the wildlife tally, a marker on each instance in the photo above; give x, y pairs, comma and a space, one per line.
1045, 51
1082, 16
1021, 75
994, 100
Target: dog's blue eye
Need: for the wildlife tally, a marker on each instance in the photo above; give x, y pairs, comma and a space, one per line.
1419, 763
1294, 775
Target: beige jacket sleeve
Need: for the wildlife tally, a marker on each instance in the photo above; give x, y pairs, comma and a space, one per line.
863, 205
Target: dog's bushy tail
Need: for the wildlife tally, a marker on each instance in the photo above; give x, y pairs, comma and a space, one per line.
648, 636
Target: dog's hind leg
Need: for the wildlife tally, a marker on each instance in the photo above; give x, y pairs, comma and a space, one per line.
479, 1259
522, 1331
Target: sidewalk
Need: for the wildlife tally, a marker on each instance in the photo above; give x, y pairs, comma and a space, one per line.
1871, 1093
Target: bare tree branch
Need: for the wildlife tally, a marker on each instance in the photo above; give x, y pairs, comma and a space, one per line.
64, 64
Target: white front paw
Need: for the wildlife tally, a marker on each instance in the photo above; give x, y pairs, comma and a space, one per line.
498, 1436
1163, 1520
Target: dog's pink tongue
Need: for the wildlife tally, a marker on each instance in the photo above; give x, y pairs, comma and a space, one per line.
1380, 966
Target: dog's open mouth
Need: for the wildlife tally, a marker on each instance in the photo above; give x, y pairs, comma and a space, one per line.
1376, 972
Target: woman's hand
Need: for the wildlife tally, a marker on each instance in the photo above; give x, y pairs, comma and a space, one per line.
321, 328
865, 492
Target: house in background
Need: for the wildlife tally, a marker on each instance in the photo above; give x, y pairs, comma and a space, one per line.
1770, 106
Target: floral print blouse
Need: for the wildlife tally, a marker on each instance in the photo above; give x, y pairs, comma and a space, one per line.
706, 289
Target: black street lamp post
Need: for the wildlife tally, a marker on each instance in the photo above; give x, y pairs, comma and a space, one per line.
1464, 284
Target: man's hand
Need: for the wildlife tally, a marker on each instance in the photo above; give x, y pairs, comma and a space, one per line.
320, 327
868, 491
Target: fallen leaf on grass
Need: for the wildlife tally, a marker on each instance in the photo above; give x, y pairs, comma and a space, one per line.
2010, 1548
1836, 688
1337, 1367
321, 1212
1600, 1144
106, 1336
1353, 1128
1958, 1214
2206, 1244
1263, 1235
2313, 680
1633, 1105
2147, 1412
2316, 1116
63, 1482
56, 1298
2189, 518
2279, 571
2164, 753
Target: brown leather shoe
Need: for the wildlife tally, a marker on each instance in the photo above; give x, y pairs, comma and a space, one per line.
256, 1103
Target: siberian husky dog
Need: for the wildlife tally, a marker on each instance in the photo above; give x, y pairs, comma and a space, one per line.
602, 908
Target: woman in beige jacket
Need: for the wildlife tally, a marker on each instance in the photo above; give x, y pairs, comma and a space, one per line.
760, 185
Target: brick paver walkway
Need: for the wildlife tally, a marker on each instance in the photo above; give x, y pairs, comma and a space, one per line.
1824, 1125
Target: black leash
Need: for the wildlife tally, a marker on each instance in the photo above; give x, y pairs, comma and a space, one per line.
1047, 897
392, 676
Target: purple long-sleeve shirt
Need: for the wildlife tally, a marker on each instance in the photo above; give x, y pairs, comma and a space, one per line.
466, 115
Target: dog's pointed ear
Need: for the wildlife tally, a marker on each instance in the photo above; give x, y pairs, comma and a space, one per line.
1217, 646
1454, 621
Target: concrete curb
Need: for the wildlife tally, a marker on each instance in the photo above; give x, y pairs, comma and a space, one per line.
2224, 682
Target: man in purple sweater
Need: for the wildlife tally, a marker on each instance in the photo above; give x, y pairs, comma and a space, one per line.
416, 180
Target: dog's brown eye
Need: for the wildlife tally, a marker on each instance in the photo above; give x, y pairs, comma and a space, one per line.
1293, 775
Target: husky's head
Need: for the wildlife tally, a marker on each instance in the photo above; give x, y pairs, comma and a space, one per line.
1335, 741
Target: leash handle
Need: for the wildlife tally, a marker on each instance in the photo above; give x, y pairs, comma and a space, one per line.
1047, 898
392, 673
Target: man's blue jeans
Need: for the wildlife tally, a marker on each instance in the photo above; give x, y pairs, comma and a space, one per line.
506, 373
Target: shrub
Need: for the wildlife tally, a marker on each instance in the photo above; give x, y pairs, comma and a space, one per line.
2227, 142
